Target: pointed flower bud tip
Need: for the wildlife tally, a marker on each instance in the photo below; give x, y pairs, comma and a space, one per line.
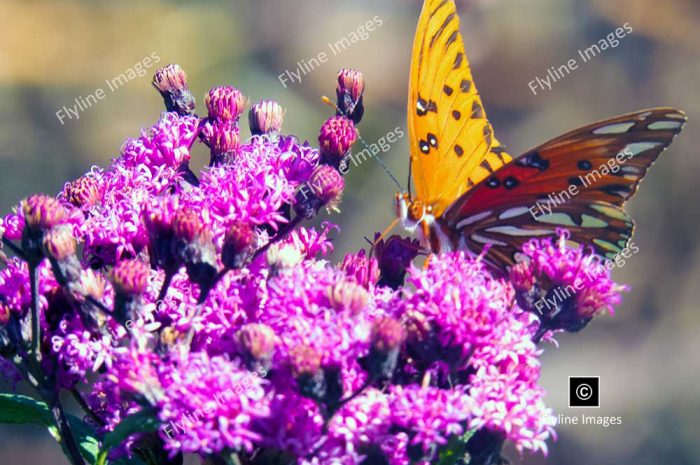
265, 117
387, 334
237, 245
394, 256
171, 82
83, 192
170, 78
337, 136
348, 296
304, 360
324, 188
42, 212
256, 341
225, 103
351, 86
188, 225
222, 137
59, 243
130, 277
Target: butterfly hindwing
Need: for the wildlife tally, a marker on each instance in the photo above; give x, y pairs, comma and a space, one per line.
578, 181
451, 141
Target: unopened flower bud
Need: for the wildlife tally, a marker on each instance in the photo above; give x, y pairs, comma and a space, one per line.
130, 277
193, 246
223, 139
158, 219
337, 136
171, 82
351, 86
59, 247
388, 334
130, 280
324, 188
89, 285
257, 343
348, 296
187, 225
237, 245
225, 103
282, 256
59, 243
92, 284
304, 360
394, 256
265, 117
42, 212
305, 365
83, 192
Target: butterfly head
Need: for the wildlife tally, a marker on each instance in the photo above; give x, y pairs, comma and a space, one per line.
413, 212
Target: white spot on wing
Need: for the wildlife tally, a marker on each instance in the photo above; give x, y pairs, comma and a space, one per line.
617, 128
557, 218
513, 231
485, 240
473, 219
661, 125
589, 221
511, 212
636, 148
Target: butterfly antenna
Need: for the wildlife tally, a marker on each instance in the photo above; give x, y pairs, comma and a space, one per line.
328, 101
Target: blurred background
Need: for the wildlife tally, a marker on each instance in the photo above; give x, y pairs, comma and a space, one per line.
647, 355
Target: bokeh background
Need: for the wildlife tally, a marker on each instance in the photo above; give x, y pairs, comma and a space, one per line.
647, 355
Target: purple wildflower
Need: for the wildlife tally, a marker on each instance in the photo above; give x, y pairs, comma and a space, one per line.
565, 287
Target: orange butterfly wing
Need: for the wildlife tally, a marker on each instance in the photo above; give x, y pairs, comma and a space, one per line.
451, 141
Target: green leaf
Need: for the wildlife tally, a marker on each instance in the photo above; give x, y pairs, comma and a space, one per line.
19, 409
143, 421
455, 449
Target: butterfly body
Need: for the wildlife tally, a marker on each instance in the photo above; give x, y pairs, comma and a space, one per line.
472, 195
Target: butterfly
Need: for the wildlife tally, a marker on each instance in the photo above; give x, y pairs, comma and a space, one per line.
471, 194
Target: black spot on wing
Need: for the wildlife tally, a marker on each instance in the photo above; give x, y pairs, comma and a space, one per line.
459, 150
447, 90
424, 146
442, 28
458, 60
432, 140
575, 181
510, 182
533, 160
619, 190
493, 182
487, 166
584, 165
477, 110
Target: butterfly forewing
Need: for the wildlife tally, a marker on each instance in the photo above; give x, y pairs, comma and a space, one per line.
578, 181
452, 143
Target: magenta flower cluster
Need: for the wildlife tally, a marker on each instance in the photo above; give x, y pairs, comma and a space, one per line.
205, 302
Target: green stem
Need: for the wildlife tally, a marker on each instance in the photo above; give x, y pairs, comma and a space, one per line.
36, 323
66, 434
17, 250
